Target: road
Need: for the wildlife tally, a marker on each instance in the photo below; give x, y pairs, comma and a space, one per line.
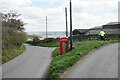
101, 63
33, 63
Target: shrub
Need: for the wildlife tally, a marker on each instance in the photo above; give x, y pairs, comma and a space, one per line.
35, 40
13, 35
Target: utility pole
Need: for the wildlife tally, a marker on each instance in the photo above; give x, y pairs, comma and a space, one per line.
71, 38
46, 28
66, 22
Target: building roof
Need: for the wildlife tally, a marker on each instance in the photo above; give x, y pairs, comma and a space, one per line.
82, 30
96, 28
108, 25
112, 23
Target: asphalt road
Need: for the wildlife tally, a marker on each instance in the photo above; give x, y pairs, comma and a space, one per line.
101, 63
33, 63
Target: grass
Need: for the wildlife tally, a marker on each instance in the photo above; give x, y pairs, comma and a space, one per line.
60, 63
14, 52
50, 44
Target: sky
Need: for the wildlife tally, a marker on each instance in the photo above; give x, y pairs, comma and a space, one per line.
85, 13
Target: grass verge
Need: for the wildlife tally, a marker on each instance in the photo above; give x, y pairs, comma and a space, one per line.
12, 53
60, 63
50, 44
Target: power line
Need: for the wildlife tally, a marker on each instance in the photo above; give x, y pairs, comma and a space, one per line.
28, 3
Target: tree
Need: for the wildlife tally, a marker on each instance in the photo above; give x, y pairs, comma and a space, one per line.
13, 34
10, 20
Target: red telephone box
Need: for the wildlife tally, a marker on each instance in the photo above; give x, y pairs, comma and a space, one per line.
64, 45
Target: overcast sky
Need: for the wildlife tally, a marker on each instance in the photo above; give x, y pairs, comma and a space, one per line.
86, 13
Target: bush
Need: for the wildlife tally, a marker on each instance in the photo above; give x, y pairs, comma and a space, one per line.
35, 40
13, 35
47, 40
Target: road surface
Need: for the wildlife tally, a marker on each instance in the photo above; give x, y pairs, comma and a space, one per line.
33, 63
101, 63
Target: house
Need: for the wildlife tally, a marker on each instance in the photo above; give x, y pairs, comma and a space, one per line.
80, 31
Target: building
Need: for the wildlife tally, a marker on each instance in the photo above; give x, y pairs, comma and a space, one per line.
80, 31
95, 30
110, 28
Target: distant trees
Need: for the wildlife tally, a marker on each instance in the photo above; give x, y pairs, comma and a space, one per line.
13, 34
36, 40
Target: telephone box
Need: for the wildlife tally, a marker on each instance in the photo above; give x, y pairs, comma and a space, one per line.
64, 45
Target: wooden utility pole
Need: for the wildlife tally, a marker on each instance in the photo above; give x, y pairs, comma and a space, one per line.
66, 22
71, 38
46, 28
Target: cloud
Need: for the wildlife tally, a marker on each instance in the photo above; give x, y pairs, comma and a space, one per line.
94, 5
52, 2
86, 13
14, 4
